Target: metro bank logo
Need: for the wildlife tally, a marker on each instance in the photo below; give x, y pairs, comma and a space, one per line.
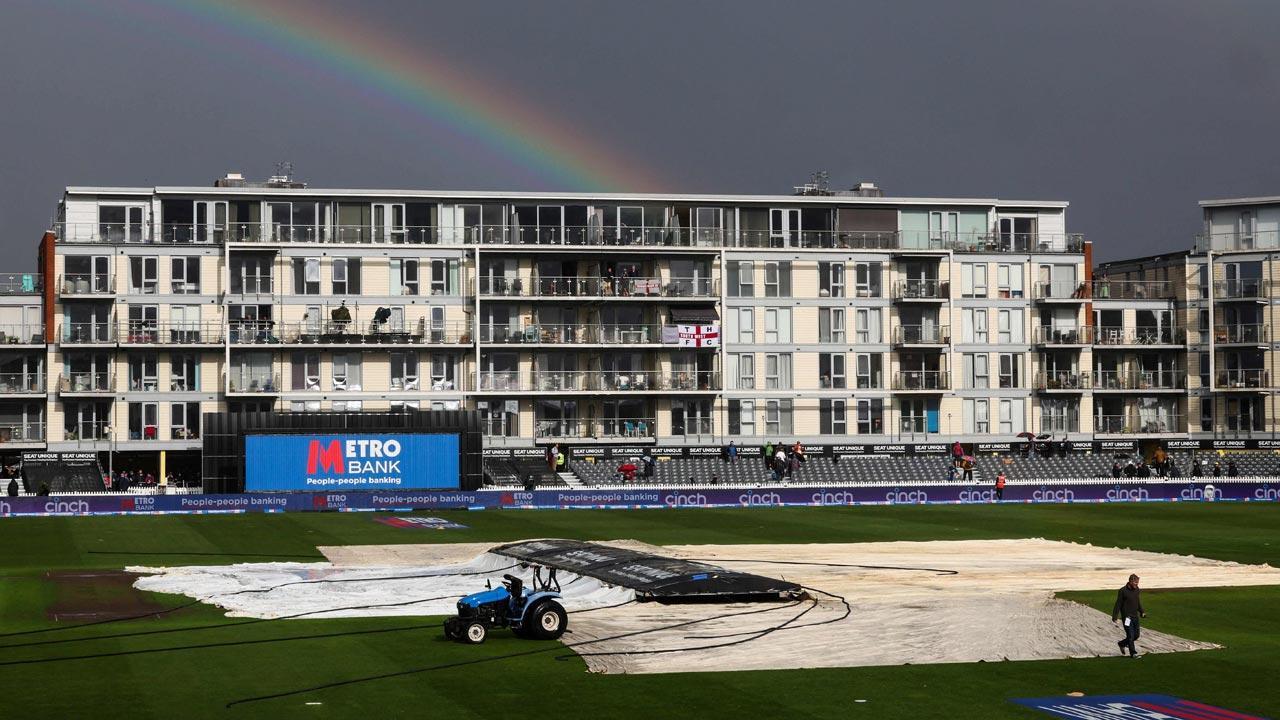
353, 456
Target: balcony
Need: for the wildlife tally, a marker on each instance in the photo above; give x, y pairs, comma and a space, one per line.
1256, 335
1144, 380
598, 381
1061, 292
99, 232
1244, 379
21, 283
1138, 337
147, 332
88, 333
1133, 290
1060, 424
913, 335
632, 429
86, 430
579, 334
1069, 382
22, 334
578, 287
32, 432
1242, 289
21, 384
86, 285
86, 383
921, 381
253, 382
341, 332
1062, 336
922, 290
1139, 424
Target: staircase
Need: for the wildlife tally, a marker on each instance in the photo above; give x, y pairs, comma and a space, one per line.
570, 479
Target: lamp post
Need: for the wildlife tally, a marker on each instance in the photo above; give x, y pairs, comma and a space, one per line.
111, 455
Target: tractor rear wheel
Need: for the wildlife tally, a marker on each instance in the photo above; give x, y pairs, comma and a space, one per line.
546, 621
474, 633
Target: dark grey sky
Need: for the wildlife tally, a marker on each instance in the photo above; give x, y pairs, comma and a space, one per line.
1132, 111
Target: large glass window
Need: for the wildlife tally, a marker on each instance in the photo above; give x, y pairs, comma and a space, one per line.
831, 370
831, 417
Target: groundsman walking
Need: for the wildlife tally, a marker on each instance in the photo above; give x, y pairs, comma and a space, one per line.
1129, 608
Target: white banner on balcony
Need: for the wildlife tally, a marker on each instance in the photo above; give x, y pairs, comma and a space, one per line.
698, 335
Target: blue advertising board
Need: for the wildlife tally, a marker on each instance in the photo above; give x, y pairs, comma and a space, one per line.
354, 461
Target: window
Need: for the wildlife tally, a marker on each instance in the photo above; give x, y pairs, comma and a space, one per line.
777, 325
442, 372
866, 325
1204, 369
404, 371
1206, 414
975, 325
1010, 417
866, 278
1010, 370
1009, 326
742, 417
184, 420
944, 228
777, 371
186, 276
1204, 325
346, 371
977, 418
742, 325
250, 275
777, 279
404, 277
306, 371
973, 280
388, 222
1202, 279
741, 278
1009, 281
831, 372
777, 417
831, 417
348, 405
142, 373
870, 417
831, 279
142, 276
868, 367
184, 372
831, 328
143, 420
976, 370
306, 276
346, 276
444, 276
742, 370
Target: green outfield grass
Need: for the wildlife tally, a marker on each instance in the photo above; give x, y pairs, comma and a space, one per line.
192, 673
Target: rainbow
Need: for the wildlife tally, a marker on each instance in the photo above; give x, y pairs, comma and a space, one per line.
316, 42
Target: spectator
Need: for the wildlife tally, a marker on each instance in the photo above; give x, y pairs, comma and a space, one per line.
1173, 471
551, 456
1130, 469
715, 479
1000, 482
957, 453
1232, 470
1115, 469
766, 452
793, 464
1195, 468
647, 460
1217, 469
798, 449
44, 489
967, 464
1143, 470
951, 473
13, 487
780, 458
341, 317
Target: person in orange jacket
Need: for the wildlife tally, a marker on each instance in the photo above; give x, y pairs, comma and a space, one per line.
1000, 482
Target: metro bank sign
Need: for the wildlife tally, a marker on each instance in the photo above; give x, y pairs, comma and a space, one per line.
366, 461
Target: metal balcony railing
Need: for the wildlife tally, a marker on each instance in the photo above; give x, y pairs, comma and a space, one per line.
1061, 290
598, 381
1057, 335
922, 335
922, 380
1139, 380
22, 432
340, 332
1139, 423
1055, 424
21, 283
86, 430
1247, 378
148, 332
21, 334
98, 232
86, 382
1133, 290
14, 383
620, 287
250, 382
1115, 335
1063, 381
576, 334
1242, 289
251, 285
88, 333
1242, 334
922, 290
609, 429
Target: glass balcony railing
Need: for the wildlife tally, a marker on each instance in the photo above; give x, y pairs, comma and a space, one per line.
1057, 424
1142, 423
1114, 335
253, 381
86, 382
922, 334
21, 283
922, 380
21, 334
1242, 334
1133, 290
88, 333
86, 430
605, 287
1061, 290
609, 429
16, 383
576, 334
22, 432
1063, 381
598, 381
1139, 380
1242, 289
146, 332
1061, 335
922, 290
1247, 378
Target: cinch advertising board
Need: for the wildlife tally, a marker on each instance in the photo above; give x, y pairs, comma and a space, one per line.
356, 461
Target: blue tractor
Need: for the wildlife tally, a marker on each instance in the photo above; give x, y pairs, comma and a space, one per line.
533, 613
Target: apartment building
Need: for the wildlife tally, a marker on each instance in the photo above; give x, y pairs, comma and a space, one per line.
830, 317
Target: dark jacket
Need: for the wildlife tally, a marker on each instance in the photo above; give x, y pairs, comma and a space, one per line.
1128, 604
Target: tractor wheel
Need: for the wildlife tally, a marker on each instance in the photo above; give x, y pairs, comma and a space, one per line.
452, 629
546, 620
474, 633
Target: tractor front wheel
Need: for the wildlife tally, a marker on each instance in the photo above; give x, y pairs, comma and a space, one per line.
474, 633
546, 620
